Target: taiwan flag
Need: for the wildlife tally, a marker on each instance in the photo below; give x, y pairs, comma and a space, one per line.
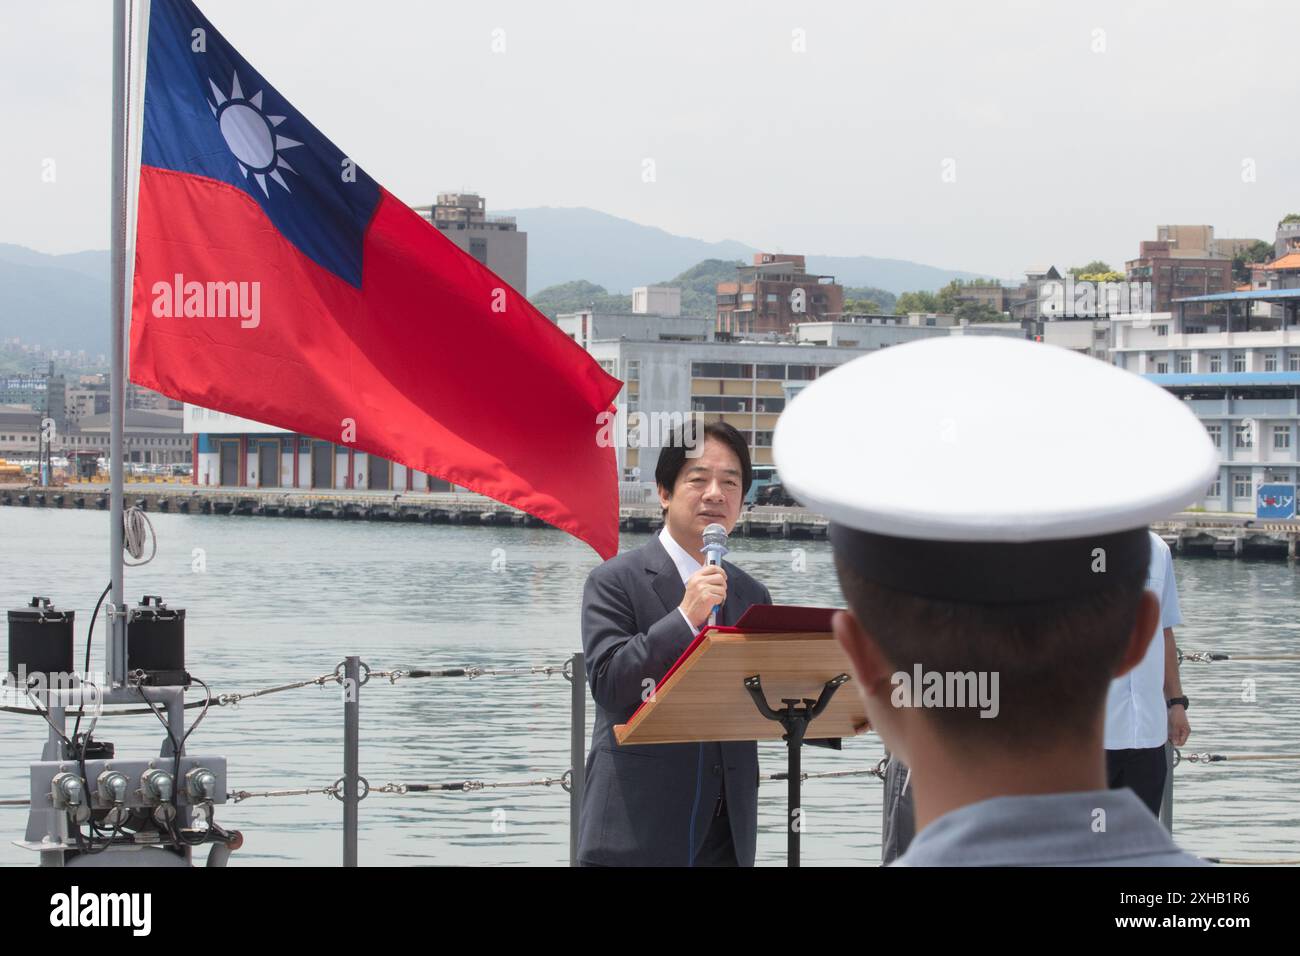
276, 281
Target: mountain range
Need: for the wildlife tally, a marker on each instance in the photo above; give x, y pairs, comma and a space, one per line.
58, 302
565, 245
61, 301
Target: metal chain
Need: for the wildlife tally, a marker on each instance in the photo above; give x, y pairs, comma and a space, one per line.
393, 676
473, 671
1210, 657
1206, 757
239, 796
564, 781
547, 669
228, 699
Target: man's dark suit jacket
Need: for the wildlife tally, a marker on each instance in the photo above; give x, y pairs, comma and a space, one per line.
650, 804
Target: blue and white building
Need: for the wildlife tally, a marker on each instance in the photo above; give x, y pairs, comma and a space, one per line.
1239, 371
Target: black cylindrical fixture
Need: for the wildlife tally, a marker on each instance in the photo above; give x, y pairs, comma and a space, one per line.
40, 640
155, 643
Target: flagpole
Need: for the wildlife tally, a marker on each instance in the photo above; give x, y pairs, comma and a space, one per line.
116, 654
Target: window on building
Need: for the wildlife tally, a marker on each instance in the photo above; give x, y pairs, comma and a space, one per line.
1216, 362
722, 370
1281, 436
1245, 436
1216, 434
1184, 363
772, 297
747, 297
1162, 330
1241, 486
1293, 362
1239, 361
1162, 367
634, 370
1214, 490
1270, 361
478, 249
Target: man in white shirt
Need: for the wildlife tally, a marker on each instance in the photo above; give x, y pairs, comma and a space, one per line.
1146, 706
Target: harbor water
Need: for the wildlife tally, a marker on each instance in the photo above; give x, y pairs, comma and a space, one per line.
272, 600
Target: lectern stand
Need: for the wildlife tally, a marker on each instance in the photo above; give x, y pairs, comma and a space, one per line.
795, 717
717, 689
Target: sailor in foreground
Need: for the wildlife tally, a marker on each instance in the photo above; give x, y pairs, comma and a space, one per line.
991, 542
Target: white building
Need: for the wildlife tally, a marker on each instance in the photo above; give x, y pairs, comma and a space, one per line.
1244, 385
663, 300
237, 452
673, 368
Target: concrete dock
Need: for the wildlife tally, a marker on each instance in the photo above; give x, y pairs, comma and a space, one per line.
1188, 533
434, 508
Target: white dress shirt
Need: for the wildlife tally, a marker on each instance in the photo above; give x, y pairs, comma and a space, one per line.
1136, 715
686, 566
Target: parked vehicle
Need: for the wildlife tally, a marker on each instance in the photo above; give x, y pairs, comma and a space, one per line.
761, 476
774, 494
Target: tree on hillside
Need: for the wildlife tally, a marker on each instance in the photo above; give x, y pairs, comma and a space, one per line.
1094, 267
977, 312
1257, 251
916, 302
577, 296
862, 306
866, 293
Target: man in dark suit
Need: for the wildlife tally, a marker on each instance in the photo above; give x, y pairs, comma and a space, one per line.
690, 804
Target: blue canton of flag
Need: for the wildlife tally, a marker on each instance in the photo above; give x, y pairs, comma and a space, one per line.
208, 113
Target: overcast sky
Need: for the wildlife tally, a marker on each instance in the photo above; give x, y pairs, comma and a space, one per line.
1069, 130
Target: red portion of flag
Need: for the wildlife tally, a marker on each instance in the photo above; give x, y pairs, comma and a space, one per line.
435, 362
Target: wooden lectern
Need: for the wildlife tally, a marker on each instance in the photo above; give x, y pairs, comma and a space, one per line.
724, 685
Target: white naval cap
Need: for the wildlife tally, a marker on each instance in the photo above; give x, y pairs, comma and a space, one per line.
979, 444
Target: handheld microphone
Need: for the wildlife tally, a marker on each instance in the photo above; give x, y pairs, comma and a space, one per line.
715, 546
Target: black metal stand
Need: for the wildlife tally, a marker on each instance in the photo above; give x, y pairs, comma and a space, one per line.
794, 717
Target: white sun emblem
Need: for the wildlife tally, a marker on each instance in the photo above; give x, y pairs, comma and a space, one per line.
251, 135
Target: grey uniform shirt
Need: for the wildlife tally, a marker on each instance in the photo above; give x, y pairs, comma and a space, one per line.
1056, 829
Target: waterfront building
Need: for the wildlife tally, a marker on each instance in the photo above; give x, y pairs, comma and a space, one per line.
1183, 262
84, 400
745, 383
26, 390
773, 294
239, 453
150, 436
20, 431
1240, 374
494, 241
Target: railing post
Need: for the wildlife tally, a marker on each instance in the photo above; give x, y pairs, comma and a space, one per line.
351, 756
1167, 801
577, 749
